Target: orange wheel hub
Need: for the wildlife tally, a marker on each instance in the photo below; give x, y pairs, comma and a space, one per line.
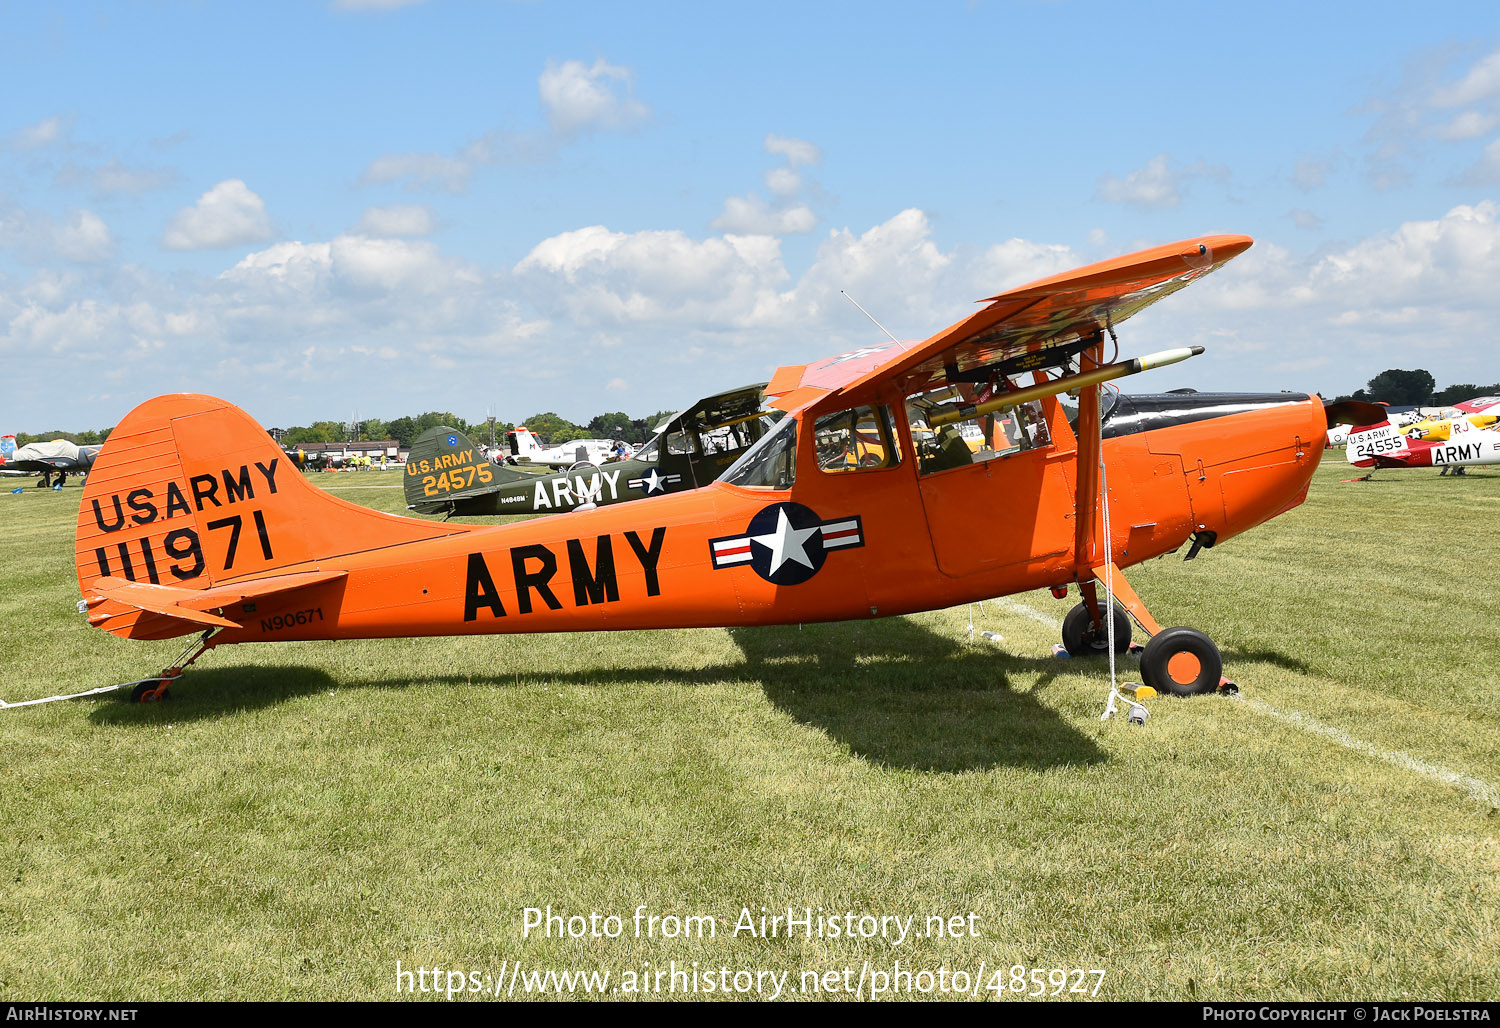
1184, 668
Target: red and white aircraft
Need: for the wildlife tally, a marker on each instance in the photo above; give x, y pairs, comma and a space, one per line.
1459, 436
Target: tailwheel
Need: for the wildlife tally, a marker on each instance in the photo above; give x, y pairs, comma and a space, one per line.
1182, 661
1081, 639
155, 690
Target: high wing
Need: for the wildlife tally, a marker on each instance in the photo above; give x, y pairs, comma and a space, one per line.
718, 410
57, 455
1035, 326
1032, 328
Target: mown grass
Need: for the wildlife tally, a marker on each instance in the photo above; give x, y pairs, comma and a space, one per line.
299, 817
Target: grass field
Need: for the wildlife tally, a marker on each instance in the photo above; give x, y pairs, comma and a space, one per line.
300, 817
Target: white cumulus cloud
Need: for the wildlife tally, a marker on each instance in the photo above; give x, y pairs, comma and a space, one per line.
783, 181
397, 220
85, 238
1157, 185
577, 96
287, 329
115, 177
1480, 82
1414, 296
653, 277
43, 133
229, 214
419, 171
750, 215
783, 215
796, 151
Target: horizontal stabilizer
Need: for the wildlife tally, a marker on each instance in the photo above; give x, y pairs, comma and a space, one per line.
194, 604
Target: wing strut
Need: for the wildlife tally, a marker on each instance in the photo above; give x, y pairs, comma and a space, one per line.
1086, 496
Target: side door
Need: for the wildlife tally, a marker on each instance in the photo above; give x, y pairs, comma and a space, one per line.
993, 489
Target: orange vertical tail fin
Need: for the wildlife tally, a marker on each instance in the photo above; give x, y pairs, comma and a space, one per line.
189, 493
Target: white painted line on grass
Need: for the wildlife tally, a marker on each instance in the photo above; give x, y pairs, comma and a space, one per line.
1025, 610
1477, 788
1480, 790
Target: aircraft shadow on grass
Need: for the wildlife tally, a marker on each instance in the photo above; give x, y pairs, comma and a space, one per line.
892, 691
1236, 657
899, 694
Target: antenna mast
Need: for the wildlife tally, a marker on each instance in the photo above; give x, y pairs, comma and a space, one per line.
869, 315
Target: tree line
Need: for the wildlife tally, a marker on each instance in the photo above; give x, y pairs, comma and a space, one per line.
548, 426
1394, 386
1416, 388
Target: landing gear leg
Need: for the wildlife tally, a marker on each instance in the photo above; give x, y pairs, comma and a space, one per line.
1084, 633
153, 690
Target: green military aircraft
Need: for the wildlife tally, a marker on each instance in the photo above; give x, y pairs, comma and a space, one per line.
446, 473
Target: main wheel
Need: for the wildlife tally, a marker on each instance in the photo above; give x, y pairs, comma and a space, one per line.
1182, 661
1081, 639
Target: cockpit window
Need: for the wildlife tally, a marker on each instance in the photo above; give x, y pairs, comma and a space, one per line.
771, 463
945, 439
734, 436
856, 440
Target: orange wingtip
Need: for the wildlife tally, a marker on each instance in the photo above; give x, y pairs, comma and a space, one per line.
1202, 252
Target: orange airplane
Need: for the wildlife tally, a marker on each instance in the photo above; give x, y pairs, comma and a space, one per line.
868, 499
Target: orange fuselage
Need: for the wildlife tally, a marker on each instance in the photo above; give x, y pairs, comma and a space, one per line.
887, 541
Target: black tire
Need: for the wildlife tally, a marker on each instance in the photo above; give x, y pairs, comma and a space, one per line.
149, 692
1081, 639
1159, 672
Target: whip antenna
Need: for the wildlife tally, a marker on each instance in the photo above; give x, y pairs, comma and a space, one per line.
869, 315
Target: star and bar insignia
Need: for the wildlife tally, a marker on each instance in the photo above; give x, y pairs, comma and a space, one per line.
653, 482
854, 355
786, 543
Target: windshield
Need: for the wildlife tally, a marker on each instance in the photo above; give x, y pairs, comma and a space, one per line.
1107, 399
649, 453
771, 462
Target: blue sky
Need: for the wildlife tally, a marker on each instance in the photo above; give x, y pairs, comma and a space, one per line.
313, 209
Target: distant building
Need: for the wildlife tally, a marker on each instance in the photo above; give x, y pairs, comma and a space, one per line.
390, 449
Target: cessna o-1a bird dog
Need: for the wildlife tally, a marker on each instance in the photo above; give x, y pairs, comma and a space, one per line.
445, 473
864, 501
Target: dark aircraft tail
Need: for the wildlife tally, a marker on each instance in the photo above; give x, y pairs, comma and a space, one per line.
444, 466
